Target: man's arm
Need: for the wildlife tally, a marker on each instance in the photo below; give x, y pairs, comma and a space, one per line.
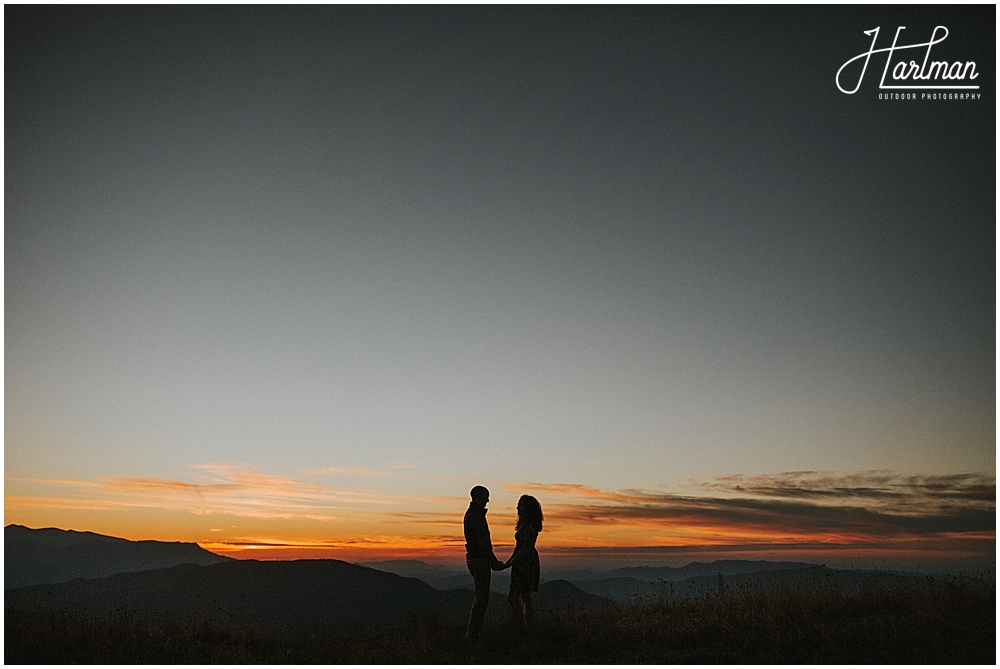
483, 537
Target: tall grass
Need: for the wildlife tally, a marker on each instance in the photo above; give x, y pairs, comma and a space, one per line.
906, 622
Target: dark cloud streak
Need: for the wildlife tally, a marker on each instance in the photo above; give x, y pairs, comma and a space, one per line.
873, 504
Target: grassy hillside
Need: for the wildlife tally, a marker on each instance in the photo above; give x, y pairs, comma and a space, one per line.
926, 621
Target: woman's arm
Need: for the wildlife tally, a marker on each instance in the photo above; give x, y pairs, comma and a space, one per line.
521, 549
515, 557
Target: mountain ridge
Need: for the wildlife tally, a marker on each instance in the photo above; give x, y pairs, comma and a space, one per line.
51, 555
323, 594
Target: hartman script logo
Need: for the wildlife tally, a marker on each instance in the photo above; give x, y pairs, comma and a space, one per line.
927, 74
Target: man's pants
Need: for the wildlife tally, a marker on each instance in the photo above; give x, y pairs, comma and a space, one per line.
481, 572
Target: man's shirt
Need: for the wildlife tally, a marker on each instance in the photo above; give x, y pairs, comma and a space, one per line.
477, 533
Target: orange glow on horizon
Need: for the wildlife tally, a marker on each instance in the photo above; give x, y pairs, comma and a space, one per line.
410, 548
235, 511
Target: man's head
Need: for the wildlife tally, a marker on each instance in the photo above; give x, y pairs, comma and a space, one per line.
480, 495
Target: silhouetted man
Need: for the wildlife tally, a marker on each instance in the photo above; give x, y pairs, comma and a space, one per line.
479, 556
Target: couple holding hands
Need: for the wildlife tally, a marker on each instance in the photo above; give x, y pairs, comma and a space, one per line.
482, 562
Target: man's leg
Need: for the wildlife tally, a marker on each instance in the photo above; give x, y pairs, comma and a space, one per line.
481, 573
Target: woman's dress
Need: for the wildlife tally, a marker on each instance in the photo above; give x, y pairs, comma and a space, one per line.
524, 573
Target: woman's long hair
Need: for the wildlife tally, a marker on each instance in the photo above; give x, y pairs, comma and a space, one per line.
529, 512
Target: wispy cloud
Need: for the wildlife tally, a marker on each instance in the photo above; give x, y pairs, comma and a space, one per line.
224, 488
876, 485
344, 471
572, 490
790, 509
795, 505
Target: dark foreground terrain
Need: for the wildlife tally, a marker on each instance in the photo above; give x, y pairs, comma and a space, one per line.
949, 620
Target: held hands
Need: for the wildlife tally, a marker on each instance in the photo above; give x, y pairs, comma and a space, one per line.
497, 565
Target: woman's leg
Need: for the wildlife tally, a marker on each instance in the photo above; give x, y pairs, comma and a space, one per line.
529, 612
515, 606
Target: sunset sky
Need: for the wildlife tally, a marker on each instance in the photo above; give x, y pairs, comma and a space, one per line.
289, 281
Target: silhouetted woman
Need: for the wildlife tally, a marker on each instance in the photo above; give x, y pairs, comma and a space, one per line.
524, 560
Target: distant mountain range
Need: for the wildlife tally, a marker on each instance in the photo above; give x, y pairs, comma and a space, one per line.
690, 580
622, 584
196, 584
53, 556
295, 594
282, 594
439, 576
675, 574
92, 574
631, 583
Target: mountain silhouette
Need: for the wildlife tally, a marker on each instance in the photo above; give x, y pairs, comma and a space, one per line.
440, 576
52, 555
623, 584
630, 583
796, 578
299, 593
322, 594
693, 569
437, 576
617, 587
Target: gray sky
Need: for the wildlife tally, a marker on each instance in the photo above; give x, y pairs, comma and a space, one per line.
622, 248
